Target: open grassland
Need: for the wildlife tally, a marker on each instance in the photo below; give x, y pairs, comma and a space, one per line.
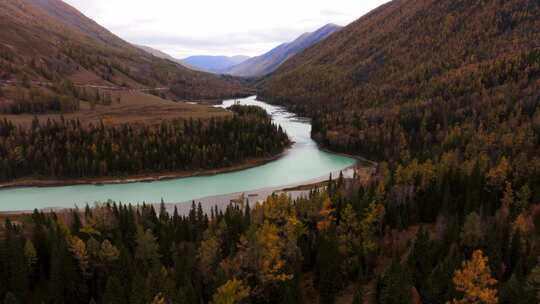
130, 107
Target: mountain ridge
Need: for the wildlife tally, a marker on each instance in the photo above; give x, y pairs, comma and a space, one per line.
213, 64
267, 63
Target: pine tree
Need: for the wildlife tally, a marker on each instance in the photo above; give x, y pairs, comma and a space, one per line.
349, 240
514, 292
76, 221
328, 267
113, 292
395, 287
523, 198
163, 214
421, 259
16, 262
147, 249
186, 294
139, 290
358, 296
10, 299
533, 282
472, 234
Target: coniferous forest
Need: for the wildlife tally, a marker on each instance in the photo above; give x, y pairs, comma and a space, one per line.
68, 149
364, 236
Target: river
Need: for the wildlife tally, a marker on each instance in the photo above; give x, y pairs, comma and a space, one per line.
302, 162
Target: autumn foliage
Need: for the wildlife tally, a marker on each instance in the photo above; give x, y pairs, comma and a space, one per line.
475, 282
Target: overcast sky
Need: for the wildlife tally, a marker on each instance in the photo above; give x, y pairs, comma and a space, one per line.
216, 27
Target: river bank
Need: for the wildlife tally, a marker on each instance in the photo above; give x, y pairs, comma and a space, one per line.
293, 190
139, 178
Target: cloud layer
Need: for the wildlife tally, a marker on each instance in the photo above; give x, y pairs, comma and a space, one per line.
213, 27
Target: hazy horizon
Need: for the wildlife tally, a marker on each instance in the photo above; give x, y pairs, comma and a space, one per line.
237, 27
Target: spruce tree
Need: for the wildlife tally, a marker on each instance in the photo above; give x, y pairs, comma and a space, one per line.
113, 292
328, 267
10, 299
394, 287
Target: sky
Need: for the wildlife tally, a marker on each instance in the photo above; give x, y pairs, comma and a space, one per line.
183, 28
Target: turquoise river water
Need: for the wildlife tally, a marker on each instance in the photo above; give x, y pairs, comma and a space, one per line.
302, 162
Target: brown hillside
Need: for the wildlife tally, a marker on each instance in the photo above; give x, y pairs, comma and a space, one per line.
48, 40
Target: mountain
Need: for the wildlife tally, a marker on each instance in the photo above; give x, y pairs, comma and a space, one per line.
214, 64
48, 41
159, 54
269, 62
412, 71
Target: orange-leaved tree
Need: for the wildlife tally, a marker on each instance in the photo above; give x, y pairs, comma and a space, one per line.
475, 282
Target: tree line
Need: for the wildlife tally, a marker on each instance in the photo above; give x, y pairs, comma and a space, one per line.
68, 149
61, 97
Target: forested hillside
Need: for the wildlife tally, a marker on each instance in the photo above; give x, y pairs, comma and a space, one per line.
446, 95
412, 72
48, 41
428, 82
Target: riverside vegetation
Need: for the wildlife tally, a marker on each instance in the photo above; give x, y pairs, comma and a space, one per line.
68, 150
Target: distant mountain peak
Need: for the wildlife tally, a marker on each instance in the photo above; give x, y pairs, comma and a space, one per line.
270, 61
214, 64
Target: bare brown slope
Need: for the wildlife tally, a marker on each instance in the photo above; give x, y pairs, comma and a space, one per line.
70, 16
48, 40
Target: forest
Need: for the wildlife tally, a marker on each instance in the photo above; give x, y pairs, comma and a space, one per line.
371, 237
67, 149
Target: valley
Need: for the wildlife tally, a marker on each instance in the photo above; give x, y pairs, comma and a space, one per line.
394, 160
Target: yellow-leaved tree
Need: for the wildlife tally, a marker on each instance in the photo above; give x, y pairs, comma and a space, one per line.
78, 248
327, 216
232, 292
270, 263
475, 282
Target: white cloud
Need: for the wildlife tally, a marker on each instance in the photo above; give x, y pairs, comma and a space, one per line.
188, 27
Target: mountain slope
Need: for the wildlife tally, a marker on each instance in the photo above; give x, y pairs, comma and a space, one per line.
157, 53
48, 40
269, 62
214, 64
437, 80
413, 55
